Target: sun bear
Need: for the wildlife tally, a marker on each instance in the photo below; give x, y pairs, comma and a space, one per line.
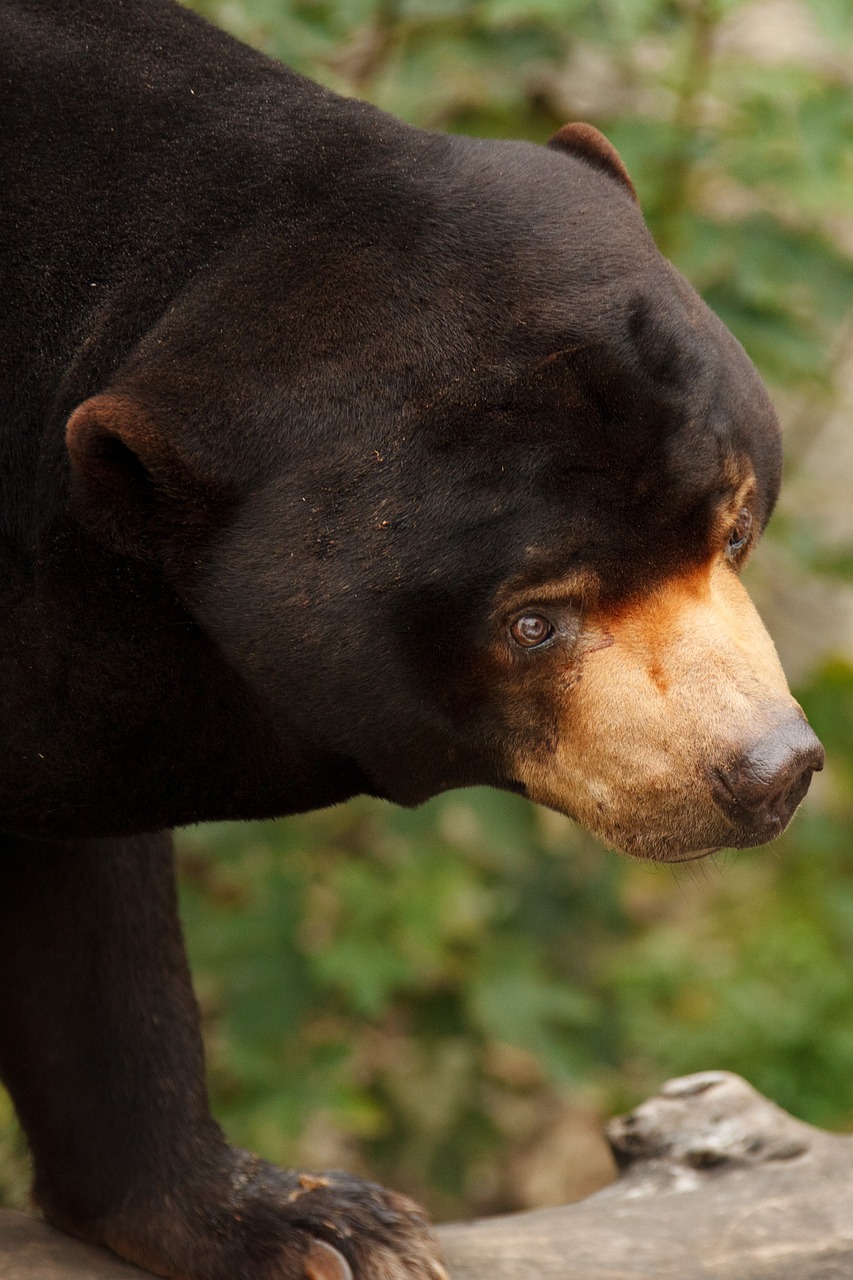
336, 457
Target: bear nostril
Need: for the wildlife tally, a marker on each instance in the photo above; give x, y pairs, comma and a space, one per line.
761, 788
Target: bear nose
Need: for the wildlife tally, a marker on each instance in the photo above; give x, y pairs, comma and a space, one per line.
761, 789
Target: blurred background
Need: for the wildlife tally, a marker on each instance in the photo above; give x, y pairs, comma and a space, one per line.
452, 999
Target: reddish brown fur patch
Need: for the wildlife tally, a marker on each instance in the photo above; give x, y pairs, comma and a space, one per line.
132, 488
583, 586
585, 141
658, 678
312, 1181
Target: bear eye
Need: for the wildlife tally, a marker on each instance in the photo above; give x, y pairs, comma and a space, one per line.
739, 536
531, 630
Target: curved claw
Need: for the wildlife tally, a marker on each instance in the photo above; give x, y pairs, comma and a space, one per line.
324, 1262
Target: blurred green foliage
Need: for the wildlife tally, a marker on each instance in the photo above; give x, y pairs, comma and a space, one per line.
443, 997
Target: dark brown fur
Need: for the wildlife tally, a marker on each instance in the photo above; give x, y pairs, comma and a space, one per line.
299, 407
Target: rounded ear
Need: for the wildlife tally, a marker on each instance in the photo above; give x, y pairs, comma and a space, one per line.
129, 485
585, 142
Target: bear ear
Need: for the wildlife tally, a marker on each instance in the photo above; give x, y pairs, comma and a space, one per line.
584, 141
130, 488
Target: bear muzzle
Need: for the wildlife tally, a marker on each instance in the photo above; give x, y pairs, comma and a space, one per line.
761, 788
680, 736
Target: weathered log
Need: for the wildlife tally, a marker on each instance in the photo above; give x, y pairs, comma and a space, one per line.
716, 1183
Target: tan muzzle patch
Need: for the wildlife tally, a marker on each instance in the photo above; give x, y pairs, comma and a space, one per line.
661, 696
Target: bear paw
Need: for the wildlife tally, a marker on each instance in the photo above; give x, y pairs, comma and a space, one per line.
273, 1224
349, 1229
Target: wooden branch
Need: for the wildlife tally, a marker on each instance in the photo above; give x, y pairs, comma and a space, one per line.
716, 1183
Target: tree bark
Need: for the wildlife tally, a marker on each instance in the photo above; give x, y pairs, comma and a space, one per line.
716, 1183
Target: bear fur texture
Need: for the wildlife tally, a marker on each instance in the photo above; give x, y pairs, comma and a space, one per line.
336, 457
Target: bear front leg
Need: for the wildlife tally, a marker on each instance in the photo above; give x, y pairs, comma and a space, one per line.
101, 1050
